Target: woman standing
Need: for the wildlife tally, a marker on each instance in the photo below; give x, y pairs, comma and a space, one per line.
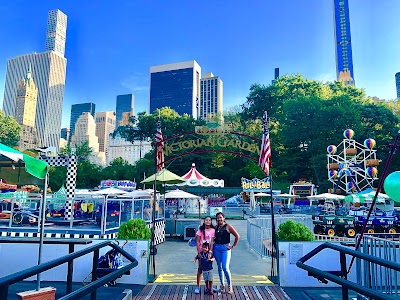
206, 233
223, 249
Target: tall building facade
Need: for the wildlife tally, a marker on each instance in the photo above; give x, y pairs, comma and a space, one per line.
397, 77
25, 112
77, 110
56, 32
65, 133
125, 104
120, 147
176, 86
211, 96
85, 131
105, 125
344, 56
48, 70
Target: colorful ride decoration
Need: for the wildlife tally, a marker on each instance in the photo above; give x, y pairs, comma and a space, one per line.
348, 134
333, 173
392, 186
354, 162
370, 143
371, 172
331, 149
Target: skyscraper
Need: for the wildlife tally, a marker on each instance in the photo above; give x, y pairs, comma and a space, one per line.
56, 32
125, 104
344, 56
25, 112
397, 77
105, 124
76, 111
211, 96
176, 86
85, 131
48, 70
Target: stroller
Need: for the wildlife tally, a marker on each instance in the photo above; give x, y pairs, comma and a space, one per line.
107, 263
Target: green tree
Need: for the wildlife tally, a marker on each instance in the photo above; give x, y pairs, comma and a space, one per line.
9, 130
119, 169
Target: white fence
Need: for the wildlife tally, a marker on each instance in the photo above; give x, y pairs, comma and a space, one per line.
376, 277
259, 230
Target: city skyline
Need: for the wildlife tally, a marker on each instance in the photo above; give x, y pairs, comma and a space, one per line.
298, 38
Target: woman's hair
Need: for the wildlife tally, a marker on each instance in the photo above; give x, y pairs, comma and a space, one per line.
220, 213
203, 227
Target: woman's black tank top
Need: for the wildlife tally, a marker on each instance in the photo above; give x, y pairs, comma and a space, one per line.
222, 236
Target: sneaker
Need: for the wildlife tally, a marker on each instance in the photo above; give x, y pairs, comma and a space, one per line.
222, 288
206, 292
211, 292
197, 290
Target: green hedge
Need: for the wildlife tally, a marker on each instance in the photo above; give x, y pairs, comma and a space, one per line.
135, 229
292, 231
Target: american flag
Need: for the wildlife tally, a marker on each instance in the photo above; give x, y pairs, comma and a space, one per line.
265, 152
159, 146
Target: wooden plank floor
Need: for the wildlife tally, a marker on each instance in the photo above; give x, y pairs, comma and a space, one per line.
186, 292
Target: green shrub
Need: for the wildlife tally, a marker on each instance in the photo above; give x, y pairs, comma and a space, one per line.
135, 229
292, 231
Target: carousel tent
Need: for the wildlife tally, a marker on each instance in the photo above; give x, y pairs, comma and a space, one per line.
195, 178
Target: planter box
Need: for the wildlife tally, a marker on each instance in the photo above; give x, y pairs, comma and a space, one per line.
292, 276
48, 293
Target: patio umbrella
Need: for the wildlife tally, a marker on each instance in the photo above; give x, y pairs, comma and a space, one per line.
326, 196
252, 201
365, 197
164, 176
110, 191
261, 195
179, 194
137, 194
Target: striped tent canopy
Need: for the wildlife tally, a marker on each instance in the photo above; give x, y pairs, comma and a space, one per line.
195, 178
365, 196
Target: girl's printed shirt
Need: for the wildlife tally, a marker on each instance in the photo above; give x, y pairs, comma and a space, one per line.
208, 236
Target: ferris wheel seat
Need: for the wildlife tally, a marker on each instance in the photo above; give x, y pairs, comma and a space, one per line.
351, 151
332, 166
372, 162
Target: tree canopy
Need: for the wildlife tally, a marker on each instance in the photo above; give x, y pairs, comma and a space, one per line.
9, 130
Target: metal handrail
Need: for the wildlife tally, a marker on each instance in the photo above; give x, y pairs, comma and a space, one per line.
340, 277
8, 280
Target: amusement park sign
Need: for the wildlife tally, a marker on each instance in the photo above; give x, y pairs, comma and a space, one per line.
211, 141
256, 185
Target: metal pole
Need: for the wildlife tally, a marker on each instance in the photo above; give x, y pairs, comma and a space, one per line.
273, 237
153, 220
42, 220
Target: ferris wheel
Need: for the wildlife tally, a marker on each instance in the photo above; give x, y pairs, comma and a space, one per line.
352, 167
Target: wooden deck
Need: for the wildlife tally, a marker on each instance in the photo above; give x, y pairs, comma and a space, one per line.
186, 292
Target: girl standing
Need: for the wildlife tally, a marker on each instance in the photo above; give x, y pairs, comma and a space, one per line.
206, 233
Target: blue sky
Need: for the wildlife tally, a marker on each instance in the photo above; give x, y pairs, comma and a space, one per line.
112, 44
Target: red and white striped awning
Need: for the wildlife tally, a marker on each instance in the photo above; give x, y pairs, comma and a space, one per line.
194, 174
195, 178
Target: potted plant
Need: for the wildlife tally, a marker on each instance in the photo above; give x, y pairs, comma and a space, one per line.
292, 231
134, 229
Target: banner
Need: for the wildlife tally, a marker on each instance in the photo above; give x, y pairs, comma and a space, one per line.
256, 185
120, 184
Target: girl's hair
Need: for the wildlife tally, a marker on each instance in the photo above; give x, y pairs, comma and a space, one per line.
203, 227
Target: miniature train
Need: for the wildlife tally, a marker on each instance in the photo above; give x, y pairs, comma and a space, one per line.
333, 222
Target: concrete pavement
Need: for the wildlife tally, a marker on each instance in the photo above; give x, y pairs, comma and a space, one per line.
175, 259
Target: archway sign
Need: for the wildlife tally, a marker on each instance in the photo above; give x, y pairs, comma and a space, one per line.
212, 138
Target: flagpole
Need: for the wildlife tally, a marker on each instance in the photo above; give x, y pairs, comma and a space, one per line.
273, 235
